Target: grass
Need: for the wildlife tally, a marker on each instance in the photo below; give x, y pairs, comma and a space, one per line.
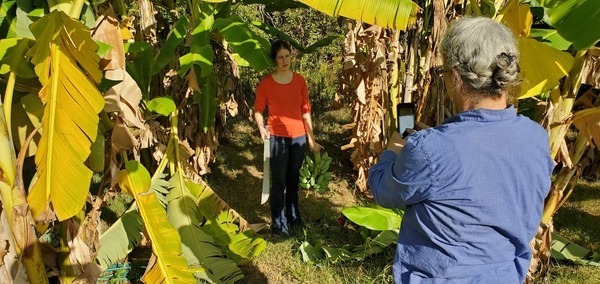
579, 221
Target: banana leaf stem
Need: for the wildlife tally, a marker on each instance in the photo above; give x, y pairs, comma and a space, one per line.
76, 8
175, 139
8, 97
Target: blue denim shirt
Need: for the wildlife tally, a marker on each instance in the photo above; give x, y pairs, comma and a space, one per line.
474, 190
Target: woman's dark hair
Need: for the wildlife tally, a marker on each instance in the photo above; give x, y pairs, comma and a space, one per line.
277, 46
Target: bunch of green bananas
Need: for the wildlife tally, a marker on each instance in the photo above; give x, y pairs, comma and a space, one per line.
315, 173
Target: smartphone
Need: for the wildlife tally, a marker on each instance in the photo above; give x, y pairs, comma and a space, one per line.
406, 117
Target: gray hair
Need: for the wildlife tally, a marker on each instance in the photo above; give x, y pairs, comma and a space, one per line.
484, 53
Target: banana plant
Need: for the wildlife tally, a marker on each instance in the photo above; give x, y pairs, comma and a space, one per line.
56, 45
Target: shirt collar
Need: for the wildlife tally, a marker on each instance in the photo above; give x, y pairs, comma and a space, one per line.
483, 115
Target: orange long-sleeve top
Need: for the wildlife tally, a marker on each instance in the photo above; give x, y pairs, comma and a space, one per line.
286, 102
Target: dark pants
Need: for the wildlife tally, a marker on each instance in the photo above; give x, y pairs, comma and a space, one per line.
287, 155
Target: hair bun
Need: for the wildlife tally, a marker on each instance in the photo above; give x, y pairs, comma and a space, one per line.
506, 71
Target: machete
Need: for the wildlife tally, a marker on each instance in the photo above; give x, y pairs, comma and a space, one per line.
266, 172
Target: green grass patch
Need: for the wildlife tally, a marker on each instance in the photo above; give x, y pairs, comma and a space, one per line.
579, 221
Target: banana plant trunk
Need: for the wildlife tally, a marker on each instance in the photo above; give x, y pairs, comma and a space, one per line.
561, 105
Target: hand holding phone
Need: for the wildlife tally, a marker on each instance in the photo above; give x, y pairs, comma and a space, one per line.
406, 117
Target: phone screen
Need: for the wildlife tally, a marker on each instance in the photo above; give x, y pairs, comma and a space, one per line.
406, 116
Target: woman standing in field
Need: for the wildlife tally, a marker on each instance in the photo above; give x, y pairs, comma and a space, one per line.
473, 187
285, 94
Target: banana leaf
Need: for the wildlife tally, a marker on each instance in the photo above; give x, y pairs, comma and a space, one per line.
575, 20
199, 248
170, 266
375, 217
550, 37
120, 239
393, 14
245, 42
12, 57
241, 246
8, 19
201, 53
587, 122
207, 102
539, 73
210, 205
23, 19
162, 105
70, 122
126, 233
563, 249
167, 52
382, 241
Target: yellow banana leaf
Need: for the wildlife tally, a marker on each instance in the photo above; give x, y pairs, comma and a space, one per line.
517, 17
393, 14
588, 123
171, 266
542, 66
71, 106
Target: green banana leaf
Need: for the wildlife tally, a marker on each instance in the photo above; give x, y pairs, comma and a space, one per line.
27, 114
199, 247
207, 101
393, 14
23, 20
245, 42
160, 186
239, 246
8, 19
120, 239
563, 249
201, 53
575, 20
382, 241
162, 105
210, 205
374, 217
201, 56
311, 253
174, 39
12, 57
96, 159
551, 38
